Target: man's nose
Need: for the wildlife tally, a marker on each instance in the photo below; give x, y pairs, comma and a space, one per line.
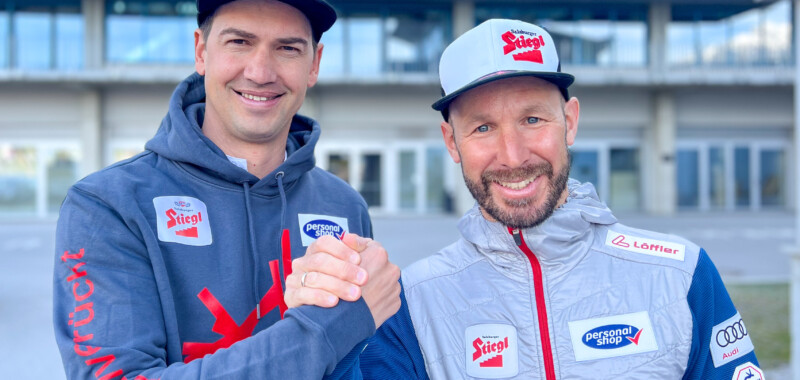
513, 148
260, 68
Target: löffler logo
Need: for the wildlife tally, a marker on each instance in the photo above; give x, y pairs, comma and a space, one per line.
520, 41
646, 246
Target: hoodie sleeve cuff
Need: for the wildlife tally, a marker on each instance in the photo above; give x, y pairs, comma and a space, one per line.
343, 326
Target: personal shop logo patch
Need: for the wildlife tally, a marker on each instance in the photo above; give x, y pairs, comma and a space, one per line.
182, 220
608, 337
491, 351
313, 227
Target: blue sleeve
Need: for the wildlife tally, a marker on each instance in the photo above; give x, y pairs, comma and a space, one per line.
110, 319
393, 352
720, 343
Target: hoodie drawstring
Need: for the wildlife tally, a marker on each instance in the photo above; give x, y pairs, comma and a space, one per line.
252, 233
286, 247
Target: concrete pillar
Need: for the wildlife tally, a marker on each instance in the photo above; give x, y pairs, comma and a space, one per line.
91, 132
658, 20
463, 20
658, 157
94, 33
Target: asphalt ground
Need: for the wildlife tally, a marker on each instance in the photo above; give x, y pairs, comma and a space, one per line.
746, 247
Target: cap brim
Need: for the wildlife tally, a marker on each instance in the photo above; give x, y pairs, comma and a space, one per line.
561, 80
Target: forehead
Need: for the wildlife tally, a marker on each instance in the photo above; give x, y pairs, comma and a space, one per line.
503, 96
249, 14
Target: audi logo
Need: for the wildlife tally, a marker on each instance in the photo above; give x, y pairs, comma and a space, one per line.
732, 333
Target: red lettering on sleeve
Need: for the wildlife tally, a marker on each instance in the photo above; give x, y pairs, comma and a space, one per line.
81, 338
84, 296
89, 307
108, 359
73, 256
89, 351
77, 274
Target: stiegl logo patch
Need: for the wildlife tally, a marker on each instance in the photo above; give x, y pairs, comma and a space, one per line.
491, 351
182, 220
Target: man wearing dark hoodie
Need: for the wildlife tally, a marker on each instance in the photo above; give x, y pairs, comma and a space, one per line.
172, 264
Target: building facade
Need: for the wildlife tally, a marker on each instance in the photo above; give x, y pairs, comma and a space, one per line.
686, 105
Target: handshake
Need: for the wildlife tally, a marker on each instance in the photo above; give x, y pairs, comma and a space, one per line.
346, 269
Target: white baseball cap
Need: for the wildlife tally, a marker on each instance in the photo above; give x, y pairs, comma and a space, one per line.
498, 49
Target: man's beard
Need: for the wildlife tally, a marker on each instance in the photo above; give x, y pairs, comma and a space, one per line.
516, 214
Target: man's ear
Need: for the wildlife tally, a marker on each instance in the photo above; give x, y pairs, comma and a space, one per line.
572, 111
199, 52
450, 141
313, 75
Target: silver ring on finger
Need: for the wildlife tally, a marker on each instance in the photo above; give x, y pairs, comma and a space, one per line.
303, 280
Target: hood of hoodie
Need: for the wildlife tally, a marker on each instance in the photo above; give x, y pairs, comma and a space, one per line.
180, 138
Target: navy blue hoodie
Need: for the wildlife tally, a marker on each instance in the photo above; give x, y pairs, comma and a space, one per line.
177, 253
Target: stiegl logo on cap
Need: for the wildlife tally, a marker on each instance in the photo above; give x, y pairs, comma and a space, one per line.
498, 49
516, 39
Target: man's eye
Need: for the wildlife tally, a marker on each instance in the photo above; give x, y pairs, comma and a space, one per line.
238, 41
483, 128
533, 120
289, 48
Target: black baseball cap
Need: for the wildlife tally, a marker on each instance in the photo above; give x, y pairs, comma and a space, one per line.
319, 13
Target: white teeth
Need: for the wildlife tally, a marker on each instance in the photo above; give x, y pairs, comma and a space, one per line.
517, 185
257, 98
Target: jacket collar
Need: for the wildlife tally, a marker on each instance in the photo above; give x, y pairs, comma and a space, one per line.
559, 243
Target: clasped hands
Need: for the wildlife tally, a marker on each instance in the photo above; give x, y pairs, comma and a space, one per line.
346, 269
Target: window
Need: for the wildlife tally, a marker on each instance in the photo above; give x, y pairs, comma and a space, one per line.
18, 178
371, 179
688, 178
772, 177
373, 39
404, 176
35, 176
408, 180
741, 178
732, 174
438, 199
42, 35
584, 165
735, 35
624, 188
584, 33
716, 177
150, 31
61, 173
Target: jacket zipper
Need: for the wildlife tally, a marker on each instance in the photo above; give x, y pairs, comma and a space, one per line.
541, 309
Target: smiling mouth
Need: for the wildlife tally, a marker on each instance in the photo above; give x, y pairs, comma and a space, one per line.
257, 98
517, 185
